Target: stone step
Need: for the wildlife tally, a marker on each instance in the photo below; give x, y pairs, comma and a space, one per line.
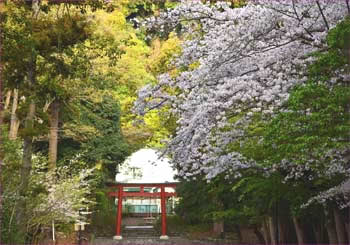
134, 233
139, 231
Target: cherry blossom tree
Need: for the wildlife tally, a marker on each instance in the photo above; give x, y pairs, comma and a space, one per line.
65, 191
235, 62
242, 64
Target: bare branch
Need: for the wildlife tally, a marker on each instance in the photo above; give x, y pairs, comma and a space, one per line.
156, 106
295, 11
323, 17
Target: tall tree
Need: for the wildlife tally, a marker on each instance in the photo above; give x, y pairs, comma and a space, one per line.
1, 110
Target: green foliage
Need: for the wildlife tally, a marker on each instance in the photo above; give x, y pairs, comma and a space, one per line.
163, 54
109, 145
103, 219
195, 202
336, 57
120, 62
317, 121
9, 231
53, 35
317, 113
146, 8
177, 225
10, 181
95, 134
203, 202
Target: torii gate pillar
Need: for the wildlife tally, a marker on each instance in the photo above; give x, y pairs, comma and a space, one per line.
163, 209
118, 235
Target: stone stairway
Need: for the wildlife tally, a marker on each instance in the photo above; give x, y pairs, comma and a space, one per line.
139, 231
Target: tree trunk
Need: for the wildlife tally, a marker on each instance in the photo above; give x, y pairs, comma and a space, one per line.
319, 233
340, 229
282, 236
239, 234
258, 234
26, 167
53, 136
347, 224
347, 227
8, 98
299, 231
331, 231
14, 120
332, 234
265, 230
25, 170
272, 228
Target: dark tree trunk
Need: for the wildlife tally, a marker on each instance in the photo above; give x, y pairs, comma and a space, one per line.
258, 234
332, 234
239, 234
331, 230
318, 230
347, 227
340, 227
218, 228
282, 233
272, 228
347, 224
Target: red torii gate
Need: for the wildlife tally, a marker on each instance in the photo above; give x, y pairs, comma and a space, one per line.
162, 195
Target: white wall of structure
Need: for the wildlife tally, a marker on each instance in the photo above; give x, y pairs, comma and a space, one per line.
145, 166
